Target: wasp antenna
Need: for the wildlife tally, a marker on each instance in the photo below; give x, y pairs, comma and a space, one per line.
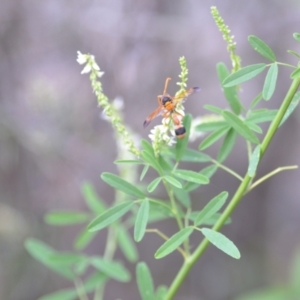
166, 84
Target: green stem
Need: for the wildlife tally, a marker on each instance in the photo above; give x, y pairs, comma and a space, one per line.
190, 261
227, 169
269, 175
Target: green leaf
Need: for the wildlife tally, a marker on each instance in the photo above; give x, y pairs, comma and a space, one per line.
222, 242
92, 200
122, 185
173, 181
96, 280
261, 47
254, 160
141, 221
191, 155
212, 207
270, 82
271, 293
213, 108
41, 252
243, 75
126, 244
229, 92
110, 216
111, 268
153, 184
144, 172
254, 127
210, 221
296, 73
147, 146
213, 137
256, 100
65, 259
294, 53
66, 294
240, 127
144, 281
227, 145
173, 242
191, 176
128, 161
83, 239
182, 143
261, 115
211, 126
183, 197
62, 218
208, 172
161, 292
294, 103
152, 161
296, 36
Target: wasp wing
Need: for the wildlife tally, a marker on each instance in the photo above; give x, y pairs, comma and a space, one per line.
153, 115
181, 97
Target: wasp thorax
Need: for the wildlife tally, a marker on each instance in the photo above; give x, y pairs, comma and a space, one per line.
166, 99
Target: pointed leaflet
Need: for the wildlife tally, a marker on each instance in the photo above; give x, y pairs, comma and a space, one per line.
222, 242
144, 172
254, 127
144, 281
152, 161
173, 181
211, 126
294, 53
213, 108
41, 252
296, 73
213, 206
62, 218
108, 217
127, 246
229, 92
122, 185
261, 47
66, 294
213, 137
83, 239
261, 115
254, 160
296, 36
111, 268
270, 82
240, 127
153, 184
191, 176
92, 200
182, 143
291, 107
173, 242
243, 75
141, 221
227, 145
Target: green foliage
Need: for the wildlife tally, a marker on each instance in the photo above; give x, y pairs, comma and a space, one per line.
132, 215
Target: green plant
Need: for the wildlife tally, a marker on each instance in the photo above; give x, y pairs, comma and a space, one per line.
137, 203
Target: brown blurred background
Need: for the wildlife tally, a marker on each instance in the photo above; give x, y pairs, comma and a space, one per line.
52, 138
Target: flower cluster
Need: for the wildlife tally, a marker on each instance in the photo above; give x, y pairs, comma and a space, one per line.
231, 45
109, 110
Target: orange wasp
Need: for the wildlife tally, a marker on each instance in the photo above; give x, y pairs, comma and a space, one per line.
167, 106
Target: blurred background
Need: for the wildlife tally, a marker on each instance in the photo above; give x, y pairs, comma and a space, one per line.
52, 137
